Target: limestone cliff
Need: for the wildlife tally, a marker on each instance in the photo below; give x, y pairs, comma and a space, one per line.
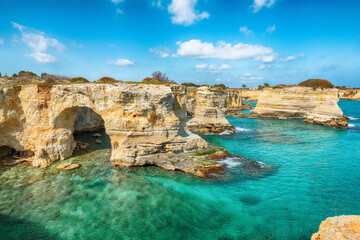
250, 95
339, 228
209, 113
140, 120
315, 106
350, 94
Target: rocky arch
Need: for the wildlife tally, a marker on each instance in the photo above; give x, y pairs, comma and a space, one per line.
140, 120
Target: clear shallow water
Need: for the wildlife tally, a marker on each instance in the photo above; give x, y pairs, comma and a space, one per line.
317, 176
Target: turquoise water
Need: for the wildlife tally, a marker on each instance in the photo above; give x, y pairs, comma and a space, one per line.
317, 175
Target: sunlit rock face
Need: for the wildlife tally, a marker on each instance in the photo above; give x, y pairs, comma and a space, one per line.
230, 98
340, 227
139, 119
250, 94
350, 94
209, 111
318, 106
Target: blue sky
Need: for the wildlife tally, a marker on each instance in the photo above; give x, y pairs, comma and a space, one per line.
233, 42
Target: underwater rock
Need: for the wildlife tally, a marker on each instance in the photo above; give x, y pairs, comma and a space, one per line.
338, 228
67, 166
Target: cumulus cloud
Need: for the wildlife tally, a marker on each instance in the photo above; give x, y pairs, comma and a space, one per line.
160, 51
222, 50
184, 12
121, 62
245, 30
291, 58
39, 43
212, 68
1, 41
43, 57
271, 29
259, 4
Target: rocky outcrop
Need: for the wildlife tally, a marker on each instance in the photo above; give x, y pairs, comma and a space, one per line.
339, 228
141, 120
250, 95
315, 106
209, 113
350, 94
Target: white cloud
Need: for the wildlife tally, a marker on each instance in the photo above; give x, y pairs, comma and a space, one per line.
245, 30
222, 50
259, 4
1, 41
271, 29
121, 62
213, 69
119, 11
43, 57
248, 77
160, 51
291, 58
184, 12
201, 66
39, 43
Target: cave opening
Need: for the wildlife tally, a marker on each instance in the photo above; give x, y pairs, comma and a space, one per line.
89, 132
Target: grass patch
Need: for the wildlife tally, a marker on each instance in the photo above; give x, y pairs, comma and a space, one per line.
208, 152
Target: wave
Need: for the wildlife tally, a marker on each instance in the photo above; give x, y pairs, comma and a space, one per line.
353, 118
231, 162
282, 117
351, 125
226, 133
239, 129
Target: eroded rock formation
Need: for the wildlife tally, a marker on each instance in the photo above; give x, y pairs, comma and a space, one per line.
315, 106
209, 112
350, 94
339, 228
140, 120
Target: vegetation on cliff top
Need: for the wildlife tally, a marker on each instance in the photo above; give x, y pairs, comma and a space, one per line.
79, 80
316, 83
107, 80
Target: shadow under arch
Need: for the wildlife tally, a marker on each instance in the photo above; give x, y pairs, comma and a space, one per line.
86, 127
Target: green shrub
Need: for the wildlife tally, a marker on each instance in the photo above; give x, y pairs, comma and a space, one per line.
316, 83
107, 80
79, 80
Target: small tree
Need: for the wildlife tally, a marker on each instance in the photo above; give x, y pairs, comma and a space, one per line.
244, 85
161, 77
266, 85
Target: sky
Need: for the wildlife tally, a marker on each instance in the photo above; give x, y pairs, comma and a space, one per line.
233, 42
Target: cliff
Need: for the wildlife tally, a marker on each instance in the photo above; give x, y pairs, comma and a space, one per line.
209, 112
350, 94
250, 95
141, 120
338, 228
315, 106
